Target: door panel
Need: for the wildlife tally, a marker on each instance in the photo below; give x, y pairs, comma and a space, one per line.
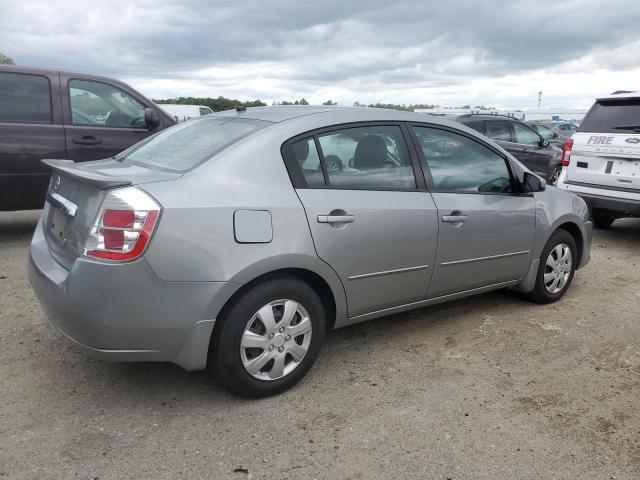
385, 256
492, 245
30, 130
486, 228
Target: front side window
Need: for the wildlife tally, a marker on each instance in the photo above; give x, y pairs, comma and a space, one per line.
499, 131
545, 131
525, 135
24, 98
187, 144
460, 164
99, 104
205, 110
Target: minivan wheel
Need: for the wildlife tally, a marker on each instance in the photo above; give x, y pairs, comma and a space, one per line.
268, 339
601, 218
555, 176
557, 267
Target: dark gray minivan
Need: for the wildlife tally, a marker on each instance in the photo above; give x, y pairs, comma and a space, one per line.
48, 113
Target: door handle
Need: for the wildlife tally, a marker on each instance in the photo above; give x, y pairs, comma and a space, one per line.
454, 218
336, 218
87, 140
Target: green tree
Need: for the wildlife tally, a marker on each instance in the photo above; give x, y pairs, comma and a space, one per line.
215, 104
5, 60
330, 102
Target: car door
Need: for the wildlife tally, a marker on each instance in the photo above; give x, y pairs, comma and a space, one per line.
30, 130
101, 119
528, 148
370, 216
486, 226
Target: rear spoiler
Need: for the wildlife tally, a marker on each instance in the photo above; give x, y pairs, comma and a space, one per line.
76, 171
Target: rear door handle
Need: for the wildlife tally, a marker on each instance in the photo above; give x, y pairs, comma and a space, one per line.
87, 140
336, 218
454, 218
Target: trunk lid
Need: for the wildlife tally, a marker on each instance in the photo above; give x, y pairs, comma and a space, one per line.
74, 197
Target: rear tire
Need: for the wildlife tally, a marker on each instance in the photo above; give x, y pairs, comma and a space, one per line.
268, 338
557, 266
601, 218
555, 176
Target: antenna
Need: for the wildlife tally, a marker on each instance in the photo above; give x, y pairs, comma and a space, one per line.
539, 99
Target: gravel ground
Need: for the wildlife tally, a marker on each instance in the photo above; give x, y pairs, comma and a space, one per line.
490, 387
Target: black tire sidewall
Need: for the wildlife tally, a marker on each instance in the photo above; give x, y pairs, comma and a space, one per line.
224, 355
540, 293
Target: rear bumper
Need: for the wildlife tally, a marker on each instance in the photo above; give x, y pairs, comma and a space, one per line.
625, 202
124, 312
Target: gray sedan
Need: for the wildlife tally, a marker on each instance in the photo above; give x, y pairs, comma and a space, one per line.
234, 241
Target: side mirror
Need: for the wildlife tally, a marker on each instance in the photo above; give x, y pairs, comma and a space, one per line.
151, 118
533, 183
556, 134
544, 143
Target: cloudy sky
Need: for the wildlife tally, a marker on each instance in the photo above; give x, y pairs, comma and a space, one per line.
452, 52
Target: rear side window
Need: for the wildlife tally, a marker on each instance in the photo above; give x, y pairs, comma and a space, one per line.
24, 98
188, 144
613, 116
370, 158
499, 131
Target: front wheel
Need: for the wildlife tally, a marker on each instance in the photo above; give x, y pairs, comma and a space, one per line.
601, 218
557, 267
268, 339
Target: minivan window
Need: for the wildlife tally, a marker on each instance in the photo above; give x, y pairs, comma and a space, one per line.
24, 98
612, 116
460, 164
188, 144
97, 103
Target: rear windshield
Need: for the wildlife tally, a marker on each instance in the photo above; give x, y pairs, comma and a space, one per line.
606, 115
188, 144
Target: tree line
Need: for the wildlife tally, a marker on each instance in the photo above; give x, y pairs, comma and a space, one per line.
222, 103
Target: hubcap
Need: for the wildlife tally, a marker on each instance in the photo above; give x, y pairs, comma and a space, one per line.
557, 269
275, 340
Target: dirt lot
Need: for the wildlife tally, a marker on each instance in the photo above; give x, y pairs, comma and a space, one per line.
492, 387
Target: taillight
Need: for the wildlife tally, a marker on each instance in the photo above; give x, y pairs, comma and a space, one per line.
566, 152
123, 226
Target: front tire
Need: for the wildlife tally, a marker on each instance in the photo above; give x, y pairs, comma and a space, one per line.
268, 338
557, 267
601, 218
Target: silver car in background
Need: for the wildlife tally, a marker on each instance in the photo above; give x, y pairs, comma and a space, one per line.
236, 240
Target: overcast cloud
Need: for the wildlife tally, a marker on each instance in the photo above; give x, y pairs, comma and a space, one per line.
450, 53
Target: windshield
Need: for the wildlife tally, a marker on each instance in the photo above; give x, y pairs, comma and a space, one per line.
188, 144
606, 115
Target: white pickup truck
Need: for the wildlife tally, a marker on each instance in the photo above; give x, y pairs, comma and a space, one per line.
601, 162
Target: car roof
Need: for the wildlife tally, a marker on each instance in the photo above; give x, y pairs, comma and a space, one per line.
620, 96
333, 114
54, 71
486, 116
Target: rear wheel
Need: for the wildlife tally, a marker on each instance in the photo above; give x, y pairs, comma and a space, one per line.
557, 267
601, 218
268, 339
